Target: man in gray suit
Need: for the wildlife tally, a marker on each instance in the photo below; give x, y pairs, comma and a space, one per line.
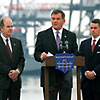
11, 62
46, 43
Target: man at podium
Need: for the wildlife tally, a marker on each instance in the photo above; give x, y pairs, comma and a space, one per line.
52, 41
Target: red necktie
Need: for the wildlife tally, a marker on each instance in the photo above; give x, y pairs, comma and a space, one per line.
10, 53
93, 45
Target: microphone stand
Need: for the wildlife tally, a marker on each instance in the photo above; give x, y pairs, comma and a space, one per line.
63, 46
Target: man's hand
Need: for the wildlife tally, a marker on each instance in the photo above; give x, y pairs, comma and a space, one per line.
43, 55
90, 75
13, 74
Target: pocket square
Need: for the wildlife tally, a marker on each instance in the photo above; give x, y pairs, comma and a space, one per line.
98, 45
98, 51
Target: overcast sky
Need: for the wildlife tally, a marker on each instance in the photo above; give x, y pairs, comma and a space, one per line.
30, 3
6, 2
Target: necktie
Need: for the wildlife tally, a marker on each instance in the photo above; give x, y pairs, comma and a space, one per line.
93, 45
57, 39
10, 53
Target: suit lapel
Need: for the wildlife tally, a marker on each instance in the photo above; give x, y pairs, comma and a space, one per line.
4, 48
96, 47
89, 47
52, 39
2, 45
64, 36
13, 43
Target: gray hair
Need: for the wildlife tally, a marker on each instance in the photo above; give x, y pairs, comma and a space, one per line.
2, 20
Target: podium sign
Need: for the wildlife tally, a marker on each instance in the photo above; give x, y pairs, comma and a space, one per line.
64, 61
50, 62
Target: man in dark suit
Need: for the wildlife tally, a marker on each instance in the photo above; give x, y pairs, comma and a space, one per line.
90, 83
11, 62
46, 44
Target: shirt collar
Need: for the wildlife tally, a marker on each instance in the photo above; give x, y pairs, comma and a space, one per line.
60, 31
4, 39
96, 39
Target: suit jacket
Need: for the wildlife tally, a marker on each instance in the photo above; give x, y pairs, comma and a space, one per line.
7, 64
46, 43
92, 62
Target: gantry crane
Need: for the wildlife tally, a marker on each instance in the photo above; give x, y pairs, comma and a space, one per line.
35, 15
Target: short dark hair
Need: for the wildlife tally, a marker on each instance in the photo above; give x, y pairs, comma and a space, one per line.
57, 11
96, 21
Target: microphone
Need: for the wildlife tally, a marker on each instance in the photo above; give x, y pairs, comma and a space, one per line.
61, 44
66, 44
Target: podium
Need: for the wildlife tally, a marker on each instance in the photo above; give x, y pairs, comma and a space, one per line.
50, 62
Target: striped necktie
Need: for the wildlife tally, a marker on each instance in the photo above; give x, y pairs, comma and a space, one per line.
57, 39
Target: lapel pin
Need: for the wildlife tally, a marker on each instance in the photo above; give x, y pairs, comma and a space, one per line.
98, 45
65, 36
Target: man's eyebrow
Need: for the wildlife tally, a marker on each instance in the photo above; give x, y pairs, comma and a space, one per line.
9, 25
94, 27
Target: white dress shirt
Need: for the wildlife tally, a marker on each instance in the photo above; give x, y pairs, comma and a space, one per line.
60, 32
9, 42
